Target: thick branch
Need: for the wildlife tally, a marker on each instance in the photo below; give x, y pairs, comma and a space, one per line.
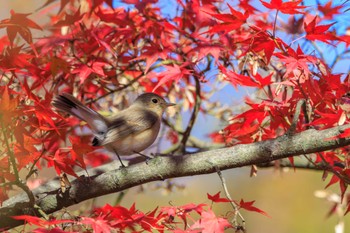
107, 179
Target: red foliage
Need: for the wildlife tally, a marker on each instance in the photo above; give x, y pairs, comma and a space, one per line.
101, 53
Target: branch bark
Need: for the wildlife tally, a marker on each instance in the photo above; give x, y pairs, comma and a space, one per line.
107, 179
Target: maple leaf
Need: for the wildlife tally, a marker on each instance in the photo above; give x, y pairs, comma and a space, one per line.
8, 106
230, 22
210, 223
217, 198
25, 150
202, 50
289, 7
33, 220
62, 163
19, 24
327, 120
98, 224
238, 79
297, 63
173, 73
263, 44
13, 58
182, 211
328, 11
70, 19
151, 54
58, 65
85, 70
319, 32
80, 147
249, 206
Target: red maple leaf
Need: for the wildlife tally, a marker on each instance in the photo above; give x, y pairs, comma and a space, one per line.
319, 32
70, 19
80, 147
217, 198
19, 24
25, 150
289, 7
13, 58
249, 206
8, 105
84, 70
33, 220
329, 11
297, 61
98, 224
230, 22
238, 79
202, 50
173, 73
62, 163
152, 54
210, 223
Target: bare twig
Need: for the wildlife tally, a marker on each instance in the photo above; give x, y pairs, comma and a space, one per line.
187, 132
233, 204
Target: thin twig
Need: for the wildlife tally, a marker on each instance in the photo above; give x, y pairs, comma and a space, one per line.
193, 118
233, 204
12, 158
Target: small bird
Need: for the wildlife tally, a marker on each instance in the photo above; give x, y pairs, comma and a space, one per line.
128, 132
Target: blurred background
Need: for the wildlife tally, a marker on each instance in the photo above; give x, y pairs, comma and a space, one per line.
287, 195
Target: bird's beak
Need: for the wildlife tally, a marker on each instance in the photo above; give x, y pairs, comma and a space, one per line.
170, 104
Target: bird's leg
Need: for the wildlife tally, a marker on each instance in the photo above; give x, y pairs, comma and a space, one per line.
120, 160
143, 155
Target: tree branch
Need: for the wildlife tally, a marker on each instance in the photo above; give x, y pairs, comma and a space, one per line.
108, 179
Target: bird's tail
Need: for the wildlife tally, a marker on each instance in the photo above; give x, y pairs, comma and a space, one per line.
69, 104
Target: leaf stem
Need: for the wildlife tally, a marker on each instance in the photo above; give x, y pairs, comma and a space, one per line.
274, 25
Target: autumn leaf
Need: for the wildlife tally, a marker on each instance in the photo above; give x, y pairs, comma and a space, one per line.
19, 24
70, 19
319, 32
33, 220
217, 198
210, 223
172, 73
238, 79
297, 63
13, 58
328, 11
249, 206
98, 224
8, 106
230, 22
289, 7
62, 163
80, 147
151, 54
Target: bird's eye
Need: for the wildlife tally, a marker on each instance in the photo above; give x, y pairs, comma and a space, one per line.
155, 101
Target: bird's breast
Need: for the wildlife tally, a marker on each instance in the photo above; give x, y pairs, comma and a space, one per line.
136, 142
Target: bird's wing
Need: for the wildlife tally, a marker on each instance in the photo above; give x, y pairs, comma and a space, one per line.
69, 104
131, 122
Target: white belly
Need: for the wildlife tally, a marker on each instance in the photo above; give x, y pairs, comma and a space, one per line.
135, 142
